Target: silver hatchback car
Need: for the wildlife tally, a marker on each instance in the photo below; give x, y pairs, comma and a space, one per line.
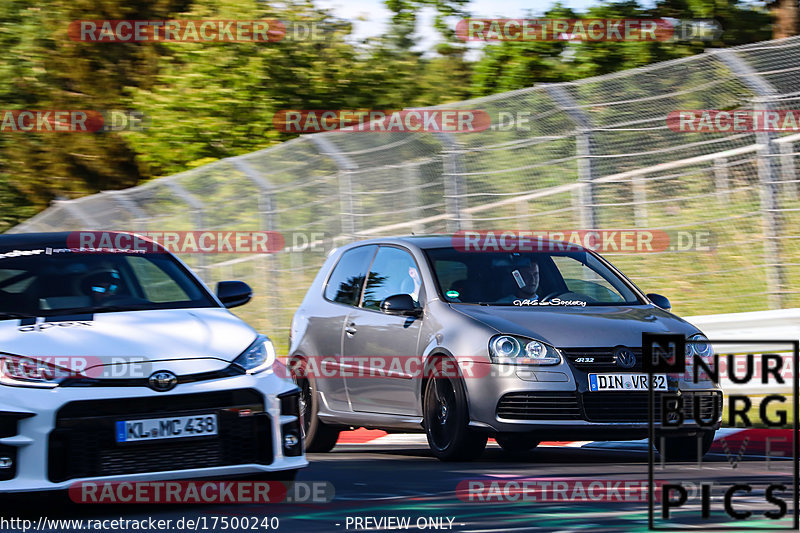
415, 334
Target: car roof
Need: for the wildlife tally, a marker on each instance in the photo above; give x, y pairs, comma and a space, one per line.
59, 239
425, 242
10, 240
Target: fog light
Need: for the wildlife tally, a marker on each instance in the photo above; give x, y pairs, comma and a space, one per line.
290, 440
8, 462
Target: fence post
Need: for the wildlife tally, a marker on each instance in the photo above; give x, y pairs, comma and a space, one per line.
767, 153
788, 171
412, 181
639, 185
197, 214
721, 180
583, 148
346, 168
266, 202
454, 187
268, 219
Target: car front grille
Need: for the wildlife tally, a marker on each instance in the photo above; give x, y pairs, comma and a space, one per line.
633, 406
598, 406
83, 442
599, 359
539, 406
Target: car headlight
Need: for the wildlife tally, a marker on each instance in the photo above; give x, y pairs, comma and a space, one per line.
258, 357
702, 349
19, 371
505, 349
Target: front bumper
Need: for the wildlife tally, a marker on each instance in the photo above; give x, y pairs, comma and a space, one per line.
555, 403
65, 435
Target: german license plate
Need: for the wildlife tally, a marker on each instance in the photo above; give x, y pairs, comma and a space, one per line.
166, 428
604, 382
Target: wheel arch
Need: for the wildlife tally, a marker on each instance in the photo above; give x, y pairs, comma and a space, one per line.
440, 353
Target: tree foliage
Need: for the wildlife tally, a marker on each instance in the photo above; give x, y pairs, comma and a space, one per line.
207, 101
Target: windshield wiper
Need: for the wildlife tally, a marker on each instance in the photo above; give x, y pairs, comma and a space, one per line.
94, 309
483, 303
5, 316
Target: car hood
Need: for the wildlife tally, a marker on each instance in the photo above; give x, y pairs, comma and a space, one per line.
193, 340
579, 327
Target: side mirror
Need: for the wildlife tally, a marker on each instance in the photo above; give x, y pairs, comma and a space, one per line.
660, 301
234, 293
400, 304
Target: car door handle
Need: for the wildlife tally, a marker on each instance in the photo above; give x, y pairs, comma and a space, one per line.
350, 329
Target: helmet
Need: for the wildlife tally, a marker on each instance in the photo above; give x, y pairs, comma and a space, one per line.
101, 283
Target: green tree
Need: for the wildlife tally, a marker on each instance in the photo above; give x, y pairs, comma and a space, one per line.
514, 65
209, 101
43, 69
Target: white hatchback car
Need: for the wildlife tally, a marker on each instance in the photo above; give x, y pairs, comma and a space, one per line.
120, 365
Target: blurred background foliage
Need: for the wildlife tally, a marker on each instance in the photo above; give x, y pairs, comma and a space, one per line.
209, 101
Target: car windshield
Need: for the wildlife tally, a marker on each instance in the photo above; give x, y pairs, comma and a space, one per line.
527, 279
54, 281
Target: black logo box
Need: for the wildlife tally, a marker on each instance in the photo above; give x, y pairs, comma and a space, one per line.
654, 363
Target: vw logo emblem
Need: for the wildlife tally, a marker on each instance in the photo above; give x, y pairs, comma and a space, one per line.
624, 357
162, 381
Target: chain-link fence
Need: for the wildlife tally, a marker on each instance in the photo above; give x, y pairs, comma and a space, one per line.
596, 153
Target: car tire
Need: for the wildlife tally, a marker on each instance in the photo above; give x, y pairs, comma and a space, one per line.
684, 448
516, 442
446, 418
319, 436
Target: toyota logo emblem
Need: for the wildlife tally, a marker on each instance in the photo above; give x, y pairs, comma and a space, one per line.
162, 381
624, 357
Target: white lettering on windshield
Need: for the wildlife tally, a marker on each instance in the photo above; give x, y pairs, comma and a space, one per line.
20, 253
554, 301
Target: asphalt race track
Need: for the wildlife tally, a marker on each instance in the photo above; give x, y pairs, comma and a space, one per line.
377, 480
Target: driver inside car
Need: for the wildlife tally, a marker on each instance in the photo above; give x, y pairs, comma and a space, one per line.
525, 280
102, 286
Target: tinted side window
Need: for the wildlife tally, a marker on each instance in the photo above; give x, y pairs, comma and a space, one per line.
158, 286
16, 286
344, 284
393, 272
